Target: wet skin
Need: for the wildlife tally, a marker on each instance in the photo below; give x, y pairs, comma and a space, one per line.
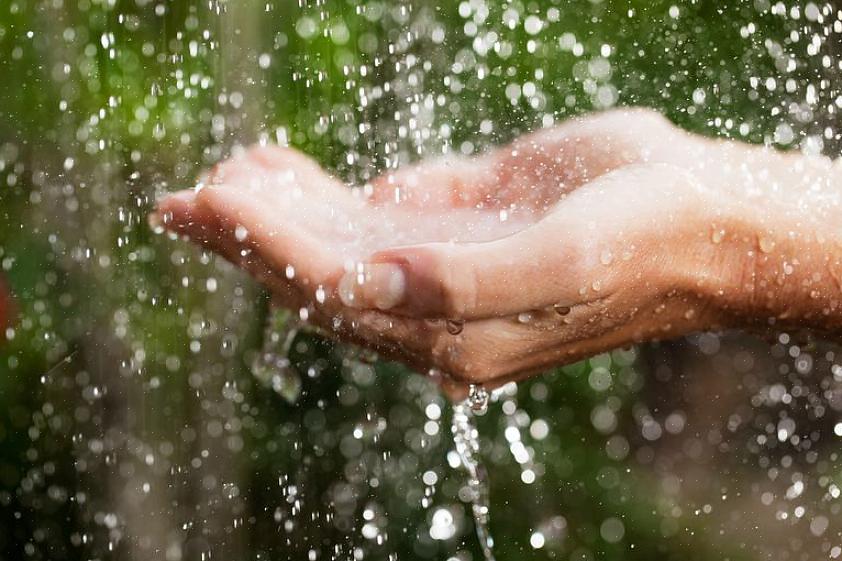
601, 232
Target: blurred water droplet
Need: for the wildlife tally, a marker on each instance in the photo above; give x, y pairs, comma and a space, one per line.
478, 399
272, 367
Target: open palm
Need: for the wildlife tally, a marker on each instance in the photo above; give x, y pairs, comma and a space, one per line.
544, 251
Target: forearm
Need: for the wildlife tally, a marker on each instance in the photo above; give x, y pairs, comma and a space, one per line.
792, 245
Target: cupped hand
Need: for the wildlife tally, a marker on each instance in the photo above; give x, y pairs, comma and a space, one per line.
602, 232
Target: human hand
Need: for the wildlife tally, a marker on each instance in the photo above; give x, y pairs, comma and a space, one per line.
275, 213
593, 235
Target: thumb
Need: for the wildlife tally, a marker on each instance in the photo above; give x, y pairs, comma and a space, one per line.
528, 270
554, 262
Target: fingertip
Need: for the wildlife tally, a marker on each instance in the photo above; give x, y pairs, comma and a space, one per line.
177, 199
428, 280
180, 212
170, 208
380, 286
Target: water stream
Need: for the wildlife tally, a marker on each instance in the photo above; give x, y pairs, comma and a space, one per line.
466, 442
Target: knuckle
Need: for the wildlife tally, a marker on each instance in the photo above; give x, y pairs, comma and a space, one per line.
218, 172
268, 155
435, 275
629, 122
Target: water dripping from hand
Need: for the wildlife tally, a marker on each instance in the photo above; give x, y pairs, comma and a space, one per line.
466, 442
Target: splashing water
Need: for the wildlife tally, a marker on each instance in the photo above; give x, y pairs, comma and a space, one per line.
272, 366
466, 442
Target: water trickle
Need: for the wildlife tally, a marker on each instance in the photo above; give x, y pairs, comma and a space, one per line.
478, 398
466, 442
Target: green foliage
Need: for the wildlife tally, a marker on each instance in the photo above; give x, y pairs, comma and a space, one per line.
129, 362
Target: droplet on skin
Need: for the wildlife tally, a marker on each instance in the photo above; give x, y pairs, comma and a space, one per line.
454, 326
561, 310
524, 317
290, 272
241, 233
320, 295
606, 257
718, 235
766, 245
690, 314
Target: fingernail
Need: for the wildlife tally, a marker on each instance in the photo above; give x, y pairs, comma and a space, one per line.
380, 285
389, 284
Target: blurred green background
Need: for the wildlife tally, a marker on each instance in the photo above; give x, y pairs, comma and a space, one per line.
131, 426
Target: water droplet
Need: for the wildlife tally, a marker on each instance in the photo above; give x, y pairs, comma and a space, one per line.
478, 398
272, 367
454, 326
524, 317
561, 310
606, 257
766, 245
718, 235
